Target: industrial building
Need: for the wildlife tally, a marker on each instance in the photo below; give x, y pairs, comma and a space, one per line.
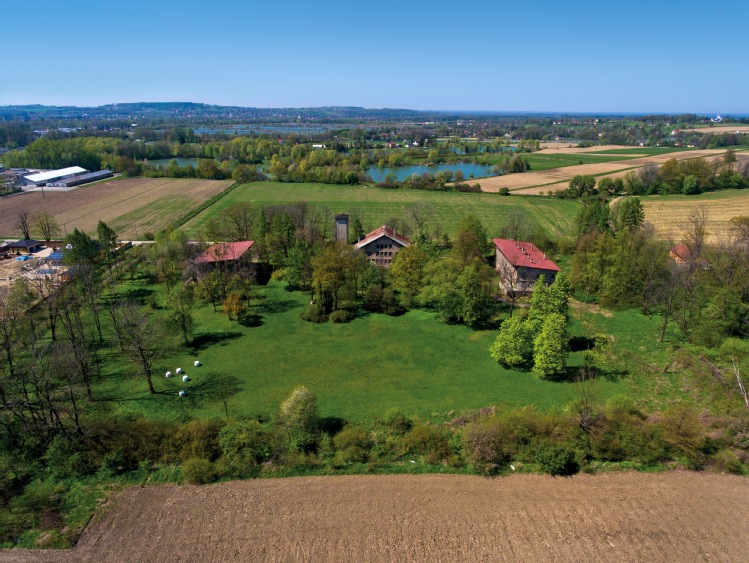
43, 178
79, 179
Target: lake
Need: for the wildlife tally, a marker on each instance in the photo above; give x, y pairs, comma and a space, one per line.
259, 129
401, 173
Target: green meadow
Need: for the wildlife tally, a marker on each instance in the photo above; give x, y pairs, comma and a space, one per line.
377, 205
360, 370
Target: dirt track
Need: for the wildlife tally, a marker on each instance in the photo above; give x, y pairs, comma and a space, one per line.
614, 517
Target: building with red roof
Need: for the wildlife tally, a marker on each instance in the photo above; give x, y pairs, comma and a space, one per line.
680, 253
381, 245
225, 252
520, 264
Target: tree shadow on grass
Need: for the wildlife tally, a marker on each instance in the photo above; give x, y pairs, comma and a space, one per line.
331, 425
270, 306
207, 339
137, 294
251, 320
581, 343
572, 374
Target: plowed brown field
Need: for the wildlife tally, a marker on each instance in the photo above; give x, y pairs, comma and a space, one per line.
719, 129
557, 178
613, 517
131, 206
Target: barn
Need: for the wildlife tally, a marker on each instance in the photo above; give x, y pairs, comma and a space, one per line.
79, 179
43, 178
520, 264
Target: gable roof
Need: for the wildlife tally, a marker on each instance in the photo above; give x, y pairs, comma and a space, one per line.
24, 243
383, 232
225, 251
681, 251
524, 255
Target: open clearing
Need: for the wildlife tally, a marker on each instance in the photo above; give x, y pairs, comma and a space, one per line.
377, 205
131, 206
609, 517
568, 148
557, 178
670, 214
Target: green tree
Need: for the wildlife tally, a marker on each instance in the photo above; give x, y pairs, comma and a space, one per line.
471, 240
408, 273
298, 414
550, 347
627, 214
582, 186
514, 344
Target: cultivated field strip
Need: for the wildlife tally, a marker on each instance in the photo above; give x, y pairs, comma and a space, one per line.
670, 214
557, 178
612, 517
131, 206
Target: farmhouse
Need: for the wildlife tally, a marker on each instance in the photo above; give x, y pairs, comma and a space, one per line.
520, 264
43, 178
381, 245
222, 252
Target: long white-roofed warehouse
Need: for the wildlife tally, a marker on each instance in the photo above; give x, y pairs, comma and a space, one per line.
43, 178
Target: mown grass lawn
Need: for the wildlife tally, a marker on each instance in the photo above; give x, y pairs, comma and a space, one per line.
377, 205
359, 370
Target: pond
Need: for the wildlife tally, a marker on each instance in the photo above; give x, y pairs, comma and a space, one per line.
401, 173
181, 162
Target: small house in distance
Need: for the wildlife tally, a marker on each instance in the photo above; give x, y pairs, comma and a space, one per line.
25, 245
382, 245
680, 253
223, 252
520, 264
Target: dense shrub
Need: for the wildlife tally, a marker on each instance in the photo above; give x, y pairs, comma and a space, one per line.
245, 445
429, 442
339, 316
199, 471
556, 459
197, 438
397, 421
313, 313
484, 447
353, 444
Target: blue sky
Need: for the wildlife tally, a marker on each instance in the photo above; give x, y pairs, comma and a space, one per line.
659, 56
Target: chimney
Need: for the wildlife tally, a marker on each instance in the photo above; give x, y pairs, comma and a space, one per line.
341, 228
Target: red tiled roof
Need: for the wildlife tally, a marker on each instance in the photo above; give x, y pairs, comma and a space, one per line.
682, 251
524, 255
225, 251
383, 232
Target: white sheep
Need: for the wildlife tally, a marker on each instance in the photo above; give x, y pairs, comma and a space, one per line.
197, 363
179, 370
185, 378
168, 374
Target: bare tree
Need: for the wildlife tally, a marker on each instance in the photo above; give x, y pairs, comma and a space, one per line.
144, 339
46, 224
22, 222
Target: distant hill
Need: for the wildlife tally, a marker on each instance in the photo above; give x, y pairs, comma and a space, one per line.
192, 110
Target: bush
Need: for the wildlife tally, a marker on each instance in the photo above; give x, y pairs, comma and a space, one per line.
397, 421
726, 461
430, 442
313, 313
197, 439
245, 445
353, 445
339, 316
504, 191
556, 459
199, 471
484, 447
